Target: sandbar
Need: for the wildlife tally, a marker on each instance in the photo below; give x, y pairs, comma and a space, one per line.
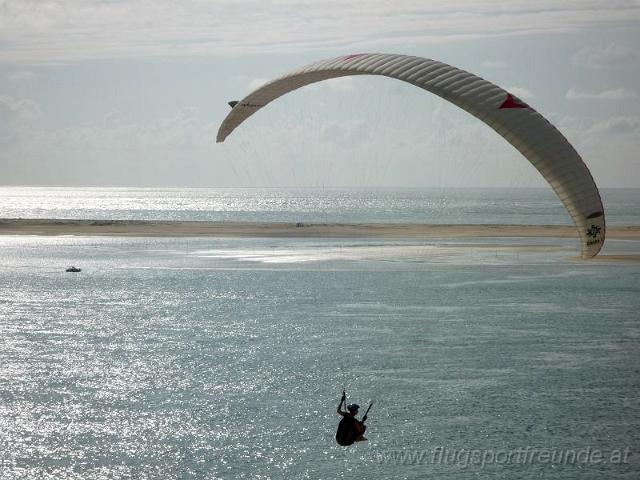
150, 228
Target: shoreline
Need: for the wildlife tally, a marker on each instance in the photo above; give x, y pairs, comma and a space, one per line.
153, 228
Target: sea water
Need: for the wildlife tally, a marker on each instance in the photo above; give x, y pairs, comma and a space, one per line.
226, 358
528, 206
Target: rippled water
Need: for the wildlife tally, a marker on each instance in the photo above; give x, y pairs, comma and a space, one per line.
225, 358
502, 206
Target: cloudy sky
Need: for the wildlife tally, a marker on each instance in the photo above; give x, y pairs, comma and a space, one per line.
131, 92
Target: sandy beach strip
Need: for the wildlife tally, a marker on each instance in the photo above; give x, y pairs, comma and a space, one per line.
143, 228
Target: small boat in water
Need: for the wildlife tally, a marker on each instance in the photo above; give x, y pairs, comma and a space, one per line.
73, 269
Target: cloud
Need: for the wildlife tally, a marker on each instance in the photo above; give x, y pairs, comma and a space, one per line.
56, 31
341, 84
575, 93
22, 110
112, 150
16, 119
617, 125
605, 58
113, 119
20, 76
493, 64
521, 92
257, 83
185, 130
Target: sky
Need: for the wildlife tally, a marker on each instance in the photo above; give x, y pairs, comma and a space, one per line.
132, 92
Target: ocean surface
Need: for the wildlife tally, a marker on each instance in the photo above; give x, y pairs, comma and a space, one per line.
224, 358
532, 206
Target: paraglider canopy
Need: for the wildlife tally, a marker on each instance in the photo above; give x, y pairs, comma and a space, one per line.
524, 128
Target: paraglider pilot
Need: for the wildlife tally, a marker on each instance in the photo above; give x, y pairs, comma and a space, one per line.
350, 429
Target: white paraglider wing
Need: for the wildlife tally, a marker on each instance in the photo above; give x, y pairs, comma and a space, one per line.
528, 131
